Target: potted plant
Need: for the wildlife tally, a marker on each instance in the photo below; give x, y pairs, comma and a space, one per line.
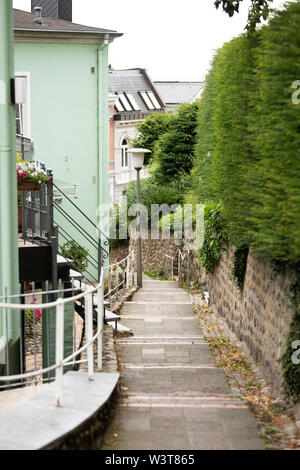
29, 175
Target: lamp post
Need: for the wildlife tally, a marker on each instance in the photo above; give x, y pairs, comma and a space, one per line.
138, 162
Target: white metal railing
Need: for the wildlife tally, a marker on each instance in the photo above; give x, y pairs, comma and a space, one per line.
87, 293
60, 361
126, 266
180, 259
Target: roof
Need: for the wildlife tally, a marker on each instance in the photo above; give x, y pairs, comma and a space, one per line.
24, 21
178, 92
133, 82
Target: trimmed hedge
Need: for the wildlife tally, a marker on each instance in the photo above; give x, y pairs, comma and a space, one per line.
248, 138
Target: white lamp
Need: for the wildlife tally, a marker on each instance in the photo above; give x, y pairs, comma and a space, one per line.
138, 157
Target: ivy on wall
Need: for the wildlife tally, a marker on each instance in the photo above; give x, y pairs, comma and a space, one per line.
240, 266
214, 237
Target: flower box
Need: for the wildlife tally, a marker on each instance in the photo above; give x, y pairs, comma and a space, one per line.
28, 186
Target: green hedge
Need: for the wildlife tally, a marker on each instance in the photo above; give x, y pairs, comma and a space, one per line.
248, 142
275, 128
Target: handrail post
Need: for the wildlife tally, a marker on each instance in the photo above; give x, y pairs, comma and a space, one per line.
127, 271
59, 353
188, 269
109, 284
100, 260
117, 281
100, 315
89, 333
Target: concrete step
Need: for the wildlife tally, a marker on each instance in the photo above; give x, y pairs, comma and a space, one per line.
75, 275
62, 261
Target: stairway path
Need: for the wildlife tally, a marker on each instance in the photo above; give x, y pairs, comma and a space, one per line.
172, 394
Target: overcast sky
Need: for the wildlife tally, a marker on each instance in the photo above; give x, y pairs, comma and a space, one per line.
172, 39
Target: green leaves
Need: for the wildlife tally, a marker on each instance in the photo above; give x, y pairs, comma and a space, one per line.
149, 132
72, 250
214, 237
174, 150
259, 10
248, 142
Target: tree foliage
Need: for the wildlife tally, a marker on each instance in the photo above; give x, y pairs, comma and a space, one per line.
149, 132
258, 11
174, 150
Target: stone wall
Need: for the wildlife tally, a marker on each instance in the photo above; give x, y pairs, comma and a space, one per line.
259, 317
120, 252
154, 251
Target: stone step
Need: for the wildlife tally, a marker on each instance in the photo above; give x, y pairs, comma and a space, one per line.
174, 378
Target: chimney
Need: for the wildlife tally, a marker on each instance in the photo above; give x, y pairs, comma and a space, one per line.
38, 15
59, 9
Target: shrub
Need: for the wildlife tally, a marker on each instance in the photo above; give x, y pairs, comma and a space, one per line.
77, 253
153, 193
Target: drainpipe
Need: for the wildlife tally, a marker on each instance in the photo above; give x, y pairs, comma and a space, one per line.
103, 138
9, 272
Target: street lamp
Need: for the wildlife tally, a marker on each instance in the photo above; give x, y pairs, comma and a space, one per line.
138, 162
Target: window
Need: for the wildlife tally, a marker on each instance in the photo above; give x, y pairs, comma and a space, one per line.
125, 102
154, 100
132, 101
119, 106
124, 150
147, 100
19, 119
150, 100
23, 126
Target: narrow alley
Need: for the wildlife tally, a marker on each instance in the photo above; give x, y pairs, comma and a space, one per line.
172, 394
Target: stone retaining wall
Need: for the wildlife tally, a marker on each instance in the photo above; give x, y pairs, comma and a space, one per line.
259, 317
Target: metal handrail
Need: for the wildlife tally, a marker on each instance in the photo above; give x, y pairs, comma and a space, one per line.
59, 304
106, 241
181, 258
127, 263
60, 360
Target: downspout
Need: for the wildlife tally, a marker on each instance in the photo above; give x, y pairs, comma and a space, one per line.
103, 138
9, 270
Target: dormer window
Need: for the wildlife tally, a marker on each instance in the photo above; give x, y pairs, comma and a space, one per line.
150, 100
124, 153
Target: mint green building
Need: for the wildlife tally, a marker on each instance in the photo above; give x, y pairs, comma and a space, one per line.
64, 69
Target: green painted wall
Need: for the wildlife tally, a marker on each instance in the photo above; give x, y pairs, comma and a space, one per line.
68, 92
9, 276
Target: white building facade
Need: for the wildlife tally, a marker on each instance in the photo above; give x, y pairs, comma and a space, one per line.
133, 98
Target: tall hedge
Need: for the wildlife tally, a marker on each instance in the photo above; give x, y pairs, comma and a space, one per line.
202, 190
248, 138
275, 127
233, 154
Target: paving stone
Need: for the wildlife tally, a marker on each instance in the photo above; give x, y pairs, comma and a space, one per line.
179, 399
